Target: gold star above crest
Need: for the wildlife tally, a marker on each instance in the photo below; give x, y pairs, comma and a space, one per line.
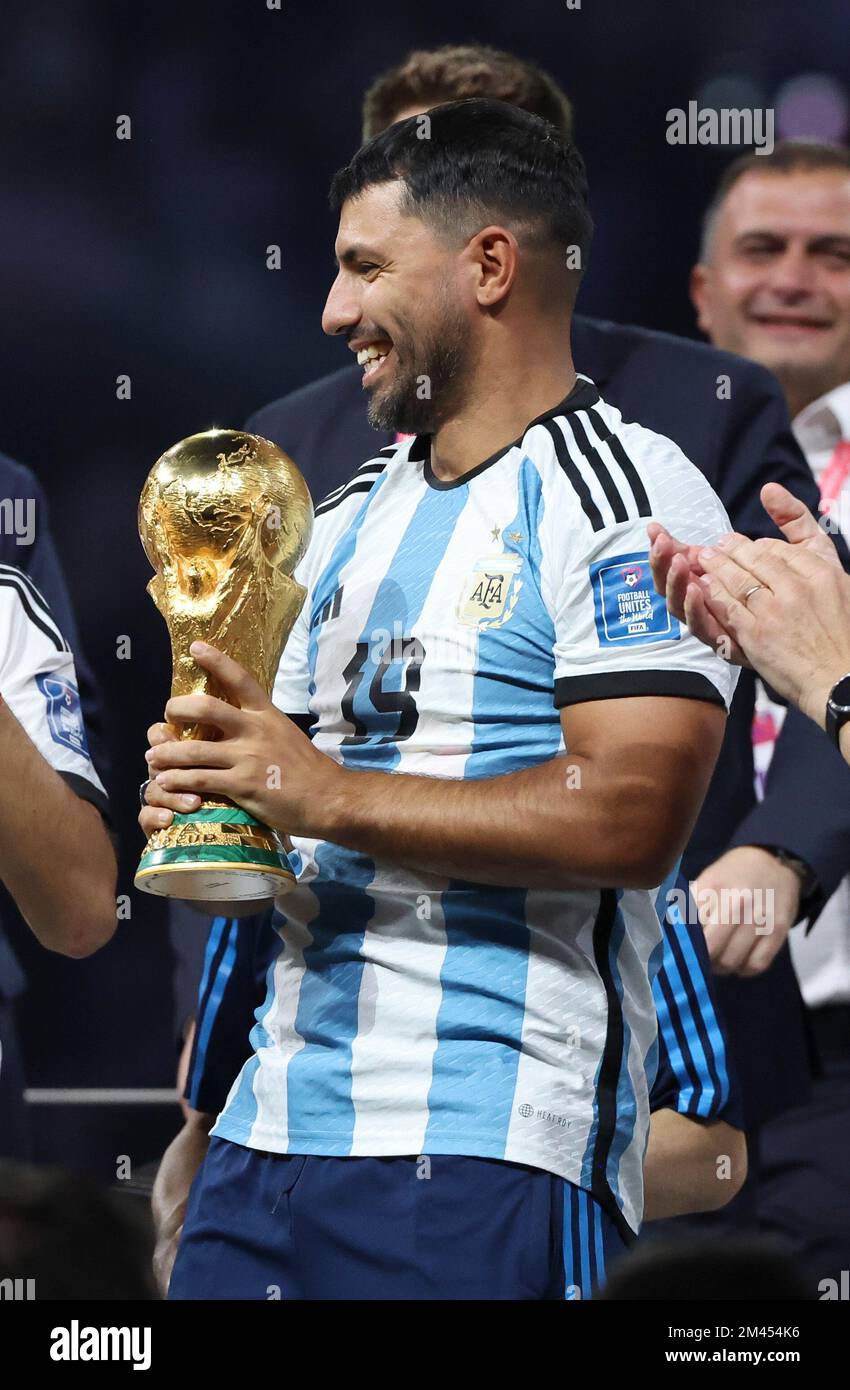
495, 533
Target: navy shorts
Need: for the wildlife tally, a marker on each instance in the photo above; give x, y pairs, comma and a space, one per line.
277, 1226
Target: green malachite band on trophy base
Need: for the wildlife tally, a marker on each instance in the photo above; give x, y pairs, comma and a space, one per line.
213, 854
220, 815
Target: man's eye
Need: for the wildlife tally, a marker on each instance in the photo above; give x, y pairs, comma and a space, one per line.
758, 251
367, 267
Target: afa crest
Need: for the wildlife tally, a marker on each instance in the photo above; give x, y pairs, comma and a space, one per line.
490, 592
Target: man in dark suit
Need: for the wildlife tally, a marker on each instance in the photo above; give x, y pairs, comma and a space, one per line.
729, 417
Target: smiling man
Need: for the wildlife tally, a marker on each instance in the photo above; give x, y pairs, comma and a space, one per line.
511, 742
773, 284
773, 279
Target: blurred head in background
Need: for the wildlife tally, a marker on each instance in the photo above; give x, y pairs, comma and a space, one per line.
773, 278
429, 77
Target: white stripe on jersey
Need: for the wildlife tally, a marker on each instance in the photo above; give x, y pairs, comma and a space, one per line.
563, 1036
388, 1006
278, 1029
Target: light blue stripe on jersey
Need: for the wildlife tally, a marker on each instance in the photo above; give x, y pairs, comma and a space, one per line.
480, 1018
674, 1052
211, 1007
319, 1079
511, 736
692, 1037
709, 1020
213, 942
650, 1061
485, 969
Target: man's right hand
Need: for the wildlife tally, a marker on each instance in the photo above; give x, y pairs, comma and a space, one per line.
679, 569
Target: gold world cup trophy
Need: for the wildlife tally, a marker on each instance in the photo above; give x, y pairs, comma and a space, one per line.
224, 518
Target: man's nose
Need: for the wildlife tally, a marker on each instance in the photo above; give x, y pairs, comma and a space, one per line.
341, 311
792, 274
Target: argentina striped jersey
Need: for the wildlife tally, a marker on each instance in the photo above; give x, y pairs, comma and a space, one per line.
446, 624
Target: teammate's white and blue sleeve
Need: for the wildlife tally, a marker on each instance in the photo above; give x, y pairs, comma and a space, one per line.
38, 683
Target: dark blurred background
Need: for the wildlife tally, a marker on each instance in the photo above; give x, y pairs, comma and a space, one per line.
146, 258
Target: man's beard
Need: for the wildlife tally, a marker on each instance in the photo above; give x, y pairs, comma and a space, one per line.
429, 381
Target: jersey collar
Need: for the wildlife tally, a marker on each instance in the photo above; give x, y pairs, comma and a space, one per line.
583, 395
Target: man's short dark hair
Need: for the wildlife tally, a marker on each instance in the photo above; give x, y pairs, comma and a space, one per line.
468, 163
431, 76
786, 157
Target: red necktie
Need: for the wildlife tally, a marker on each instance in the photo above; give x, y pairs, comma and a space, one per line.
834, 475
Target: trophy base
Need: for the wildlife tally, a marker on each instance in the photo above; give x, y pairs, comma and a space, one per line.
219, 860
218, 890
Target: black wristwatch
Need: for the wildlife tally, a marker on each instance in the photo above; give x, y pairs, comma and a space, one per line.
809, 885
838, 709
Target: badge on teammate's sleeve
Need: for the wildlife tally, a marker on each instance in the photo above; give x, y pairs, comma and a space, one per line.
38, 683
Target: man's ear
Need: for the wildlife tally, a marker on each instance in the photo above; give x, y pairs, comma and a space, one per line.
494, 253
699, 297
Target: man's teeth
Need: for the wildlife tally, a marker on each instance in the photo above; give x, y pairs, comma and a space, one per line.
371, 355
